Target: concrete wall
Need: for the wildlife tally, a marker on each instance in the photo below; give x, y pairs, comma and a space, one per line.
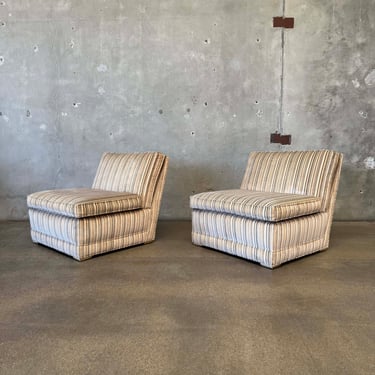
197, 80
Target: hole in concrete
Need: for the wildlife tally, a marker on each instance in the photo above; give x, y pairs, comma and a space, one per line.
258, 40
188, 110
2, 3
161, 111
111, 134
361, 192
205, 104
28, 113
256, 102
1, 113
2, 23
192, 133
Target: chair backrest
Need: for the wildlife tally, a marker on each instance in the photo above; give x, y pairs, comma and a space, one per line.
313, 173
135, 173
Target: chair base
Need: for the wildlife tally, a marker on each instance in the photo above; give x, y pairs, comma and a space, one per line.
84, 252
261, 242
84, 238
263, 257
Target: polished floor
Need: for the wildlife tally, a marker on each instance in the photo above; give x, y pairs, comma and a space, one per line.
174, 308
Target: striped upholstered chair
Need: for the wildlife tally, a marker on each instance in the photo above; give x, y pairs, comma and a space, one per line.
120, 210
282, 211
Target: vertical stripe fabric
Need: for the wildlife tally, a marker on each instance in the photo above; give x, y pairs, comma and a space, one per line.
103, 227
296, 172
86, 237
265, 242
243, 224
83, 202
132, 173
260, 205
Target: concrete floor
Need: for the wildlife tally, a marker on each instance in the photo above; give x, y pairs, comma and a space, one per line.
173, 308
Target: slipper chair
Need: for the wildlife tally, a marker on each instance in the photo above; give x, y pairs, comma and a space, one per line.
120, 210
282, 211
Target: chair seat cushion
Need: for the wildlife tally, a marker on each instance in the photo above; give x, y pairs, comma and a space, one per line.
258, 205
83, 202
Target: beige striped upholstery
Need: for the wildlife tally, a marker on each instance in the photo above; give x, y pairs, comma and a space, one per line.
283, 210
83, 202
256, 204
86, 222
267, 243
86, 237
131, 173
299, 172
